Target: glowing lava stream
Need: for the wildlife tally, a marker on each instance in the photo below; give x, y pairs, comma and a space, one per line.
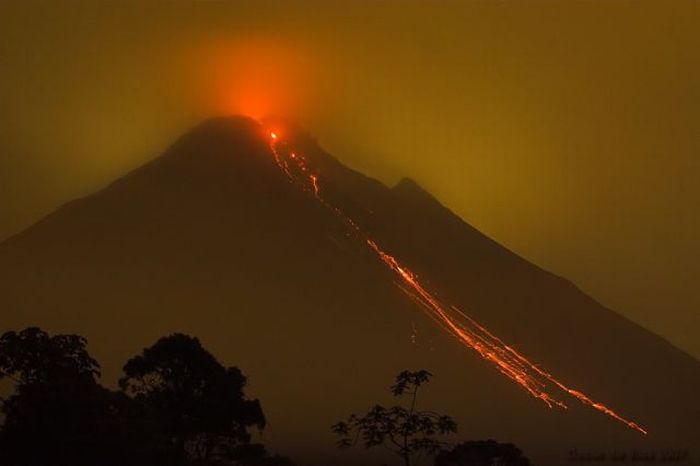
466, 330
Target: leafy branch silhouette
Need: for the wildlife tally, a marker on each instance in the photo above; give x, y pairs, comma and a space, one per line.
404, 431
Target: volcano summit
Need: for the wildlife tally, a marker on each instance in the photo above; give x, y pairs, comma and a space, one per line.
321, 283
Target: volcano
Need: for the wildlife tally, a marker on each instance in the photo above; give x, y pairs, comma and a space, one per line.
266, 260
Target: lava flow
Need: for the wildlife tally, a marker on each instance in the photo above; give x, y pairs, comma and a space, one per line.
467, 331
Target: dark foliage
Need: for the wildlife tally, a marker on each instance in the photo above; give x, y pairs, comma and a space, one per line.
482, 453
58, 414
405, 431
178, 406
198, 403
32, 356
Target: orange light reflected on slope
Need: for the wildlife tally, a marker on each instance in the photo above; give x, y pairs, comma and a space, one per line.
530, 377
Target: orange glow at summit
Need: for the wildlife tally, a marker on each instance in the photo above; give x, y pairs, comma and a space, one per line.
256, 77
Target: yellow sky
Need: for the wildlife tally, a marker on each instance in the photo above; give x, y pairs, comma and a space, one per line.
566, 130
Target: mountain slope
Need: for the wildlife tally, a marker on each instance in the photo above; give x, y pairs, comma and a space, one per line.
212, 239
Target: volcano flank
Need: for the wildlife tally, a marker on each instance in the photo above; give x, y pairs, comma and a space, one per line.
259, 246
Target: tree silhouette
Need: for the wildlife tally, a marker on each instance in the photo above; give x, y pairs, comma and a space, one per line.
482, 453
57, 413
32, 356
405, 431
178, 406
195, 401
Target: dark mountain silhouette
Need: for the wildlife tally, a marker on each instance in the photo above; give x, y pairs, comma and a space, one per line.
213, 240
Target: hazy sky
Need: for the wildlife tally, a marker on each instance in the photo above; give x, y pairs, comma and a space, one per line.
568, 131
